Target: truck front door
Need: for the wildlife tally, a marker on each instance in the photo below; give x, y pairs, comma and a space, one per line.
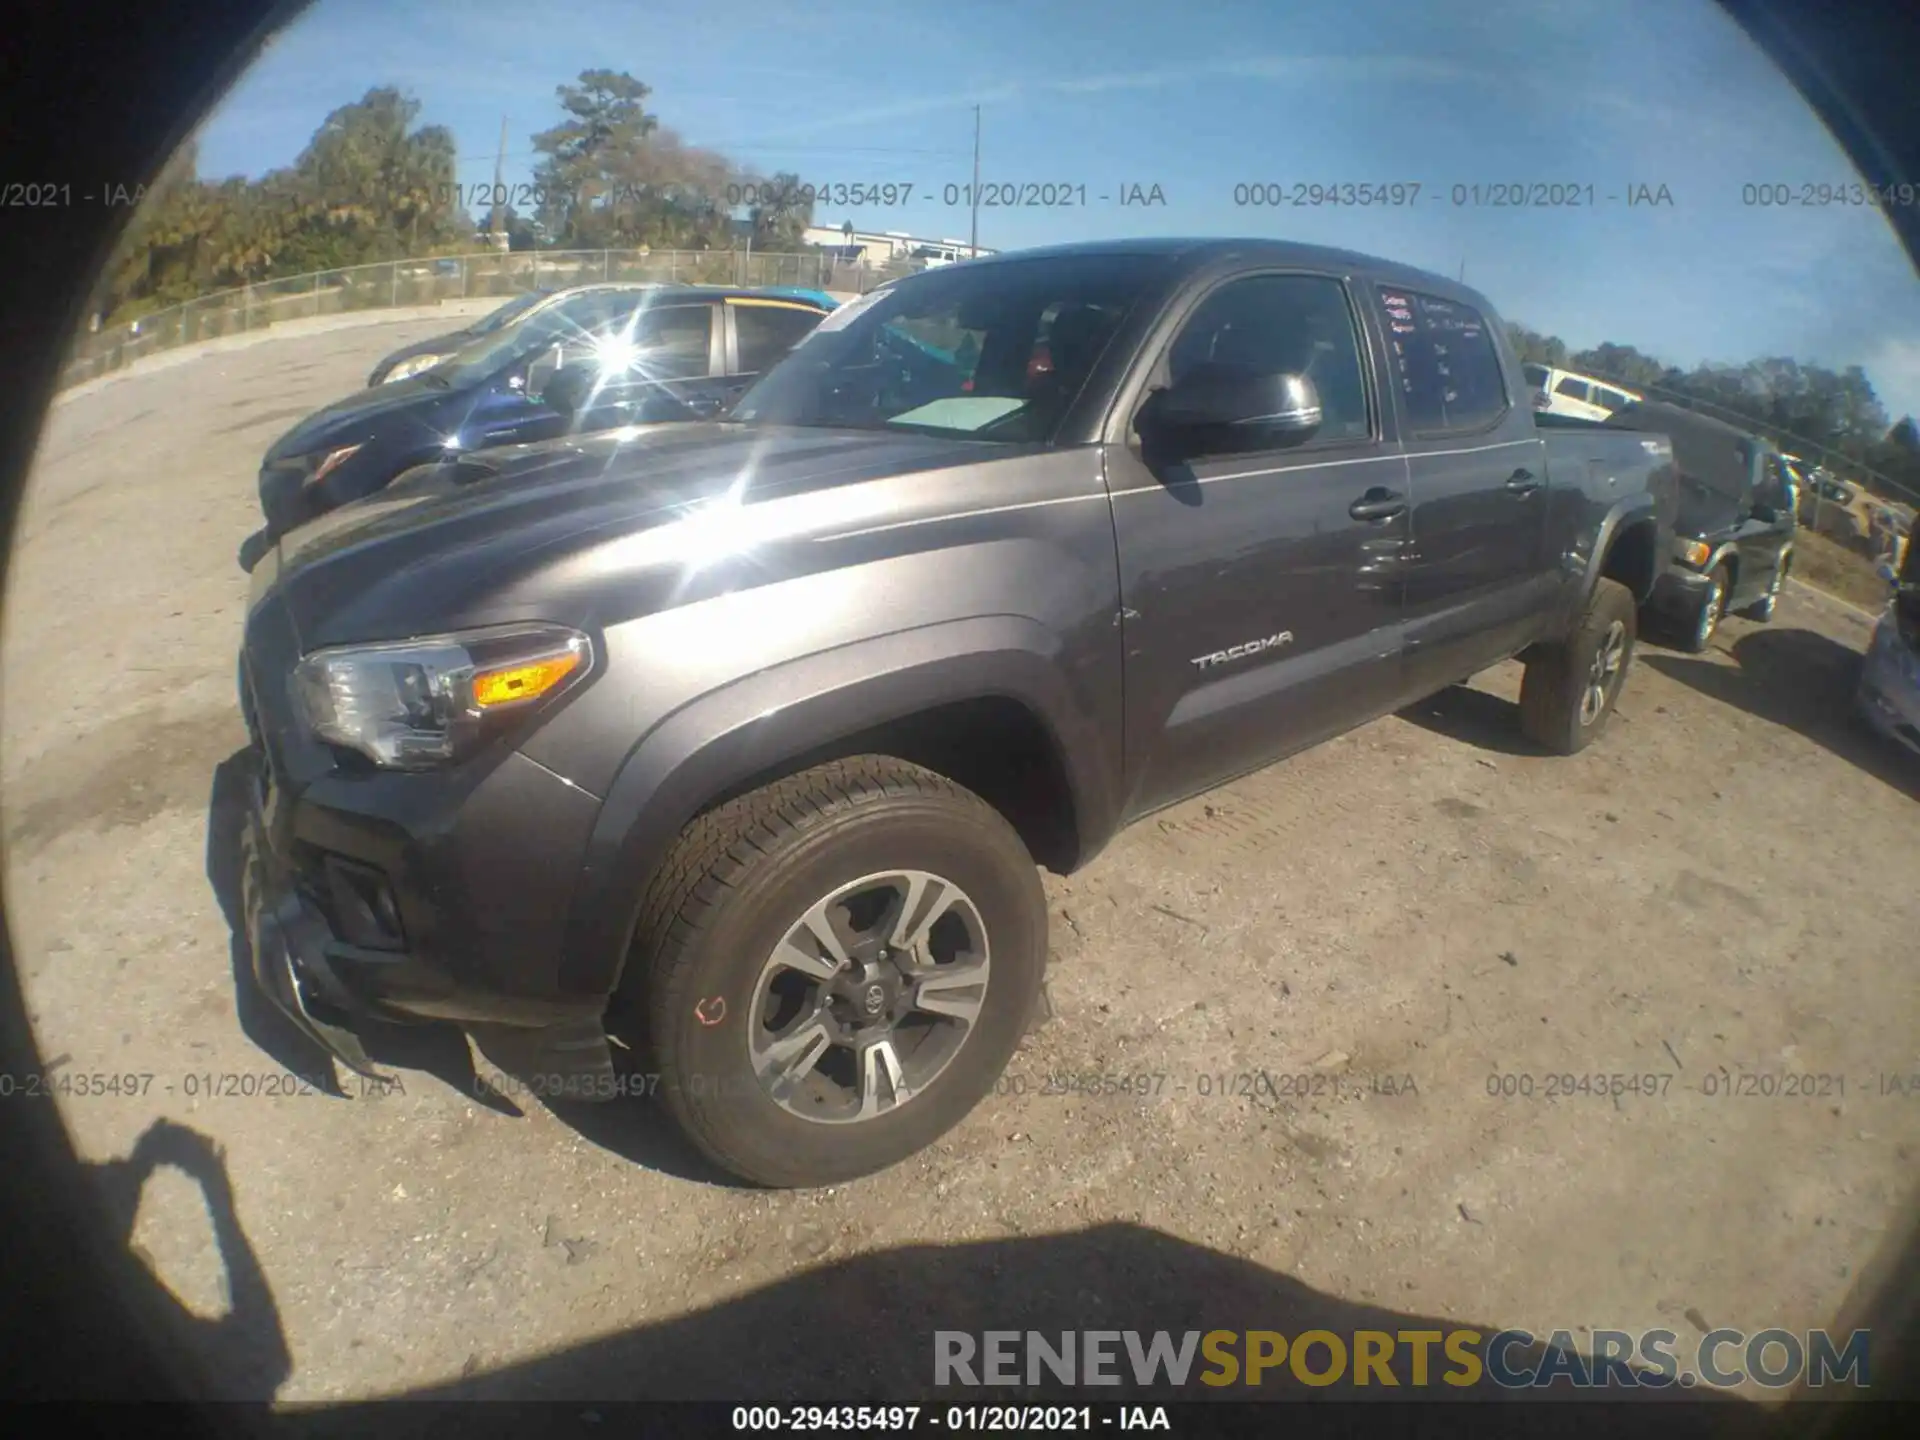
1260, 579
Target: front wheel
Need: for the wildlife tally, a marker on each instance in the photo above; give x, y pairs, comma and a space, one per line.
836, 968
1569, 689
1713, 609
1763, 608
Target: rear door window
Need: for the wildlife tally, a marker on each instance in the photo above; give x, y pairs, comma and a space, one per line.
1574, 390
1446, 365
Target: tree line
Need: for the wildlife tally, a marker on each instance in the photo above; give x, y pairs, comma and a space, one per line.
1799, 405
373, 184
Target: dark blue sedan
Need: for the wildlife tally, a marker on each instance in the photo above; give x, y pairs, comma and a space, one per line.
598, 358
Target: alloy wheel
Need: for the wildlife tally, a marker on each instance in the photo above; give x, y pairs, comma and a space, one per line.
869, 996
1604, 673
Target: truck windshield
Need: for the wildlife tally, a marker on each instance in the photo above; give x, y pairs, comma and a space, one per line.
994, 351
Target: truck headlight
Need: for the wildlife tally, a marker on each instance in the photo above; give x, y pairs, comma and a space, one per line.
417, 704
411, 366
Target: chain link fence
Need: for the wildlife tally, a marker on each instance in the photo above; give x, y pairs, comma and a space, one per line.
396, 283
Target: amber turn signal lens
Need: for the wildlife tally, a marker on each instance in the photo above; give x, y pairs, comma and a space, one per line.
522, 682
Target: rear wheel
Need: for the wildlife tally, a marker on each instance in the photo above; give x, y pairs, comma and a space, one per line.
836, 968
1569, 689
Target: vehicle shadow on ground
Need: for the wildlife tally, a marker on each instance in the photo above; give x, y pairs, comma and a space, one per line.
1801, 680
636, 1126
1473, 717
241, 1355
439, 1051
862, 1330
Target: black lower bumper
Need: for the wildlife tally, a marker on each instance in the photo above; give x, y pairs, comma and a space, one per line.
289, 958
1678, 594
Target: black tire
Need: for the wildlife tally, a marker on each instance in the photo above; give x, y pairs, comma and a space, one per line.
736, 883
1554, 713
1698, 637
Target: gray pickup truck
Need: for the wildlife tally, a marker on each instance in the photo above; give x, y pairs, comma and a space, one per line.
741, 741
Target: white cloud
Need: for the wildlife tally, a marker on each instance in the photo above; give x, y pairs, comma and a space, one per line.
1304, 69
1893, 365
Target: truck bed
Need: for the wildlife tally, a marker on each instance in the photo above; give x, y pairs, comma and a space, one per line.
1635, 458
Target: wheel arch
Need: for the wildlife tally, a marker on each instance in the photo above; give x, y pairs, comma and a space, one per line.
986, 704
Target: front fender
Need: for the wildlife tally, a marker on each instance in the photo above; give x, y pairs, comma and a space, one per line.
725, 737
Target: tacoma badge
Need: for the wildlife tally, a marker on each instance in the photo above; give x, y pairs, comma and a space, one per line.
1240, 652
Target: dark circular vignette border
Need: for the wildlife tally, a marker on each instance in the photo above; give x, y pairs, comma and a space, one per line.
101, 93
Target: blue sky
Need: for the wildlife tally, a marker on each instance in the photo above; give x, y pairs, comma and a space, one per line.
1198, 98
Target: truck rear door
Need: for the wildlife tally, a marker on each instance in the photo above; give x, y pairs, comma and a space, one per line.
1262, 600
1479, 577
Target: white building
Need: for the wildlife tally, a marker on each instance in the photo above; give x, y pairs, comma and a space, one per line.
884, 247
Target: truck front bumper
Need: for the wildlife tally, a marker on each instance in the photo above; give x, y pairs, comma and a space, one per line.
384, 898
1678, 594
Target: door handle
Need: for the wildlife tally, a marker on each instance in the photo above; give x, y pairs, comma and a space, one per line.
1521, 482
1378, 503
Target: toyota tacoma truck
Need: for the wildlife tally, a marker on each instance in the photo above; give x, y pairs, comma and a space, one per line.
742, 740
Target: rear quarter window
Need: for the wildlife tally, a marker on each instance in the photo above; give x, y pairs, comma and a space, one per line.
765, 333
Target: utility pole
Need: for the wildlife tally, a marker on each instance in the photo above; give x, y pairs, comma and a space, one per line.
973, 236
497, 225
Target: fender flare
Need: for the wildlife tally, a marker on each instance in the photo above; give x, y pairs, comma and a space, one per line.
1627, 513
729, 735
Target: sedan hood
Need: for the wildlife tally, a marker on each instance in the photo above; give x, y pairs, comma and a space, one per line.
554, 531
354, 420
438, 345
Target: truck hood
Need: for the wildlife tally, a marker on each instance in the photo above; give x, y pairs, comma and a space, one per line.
1704, 511
548, 531
354, 420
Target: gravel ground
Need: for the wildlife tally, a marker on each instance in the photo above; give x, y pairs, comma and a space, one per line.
1309, 978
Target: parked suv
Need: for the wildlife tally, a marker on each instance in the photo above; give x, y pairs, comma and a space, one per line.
743, 739
1733, 537
1580, 397
593, 358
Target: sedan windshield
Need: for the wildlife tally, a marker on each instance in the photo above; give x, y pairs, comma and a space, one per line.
996, 350
579, 318
511, 311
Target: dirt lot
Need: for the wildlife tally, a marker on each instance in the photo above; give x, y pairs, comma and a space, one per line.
1724, 885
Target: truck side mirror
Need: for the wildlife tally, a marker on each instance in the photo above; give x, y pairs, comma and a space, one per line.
1233, 409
